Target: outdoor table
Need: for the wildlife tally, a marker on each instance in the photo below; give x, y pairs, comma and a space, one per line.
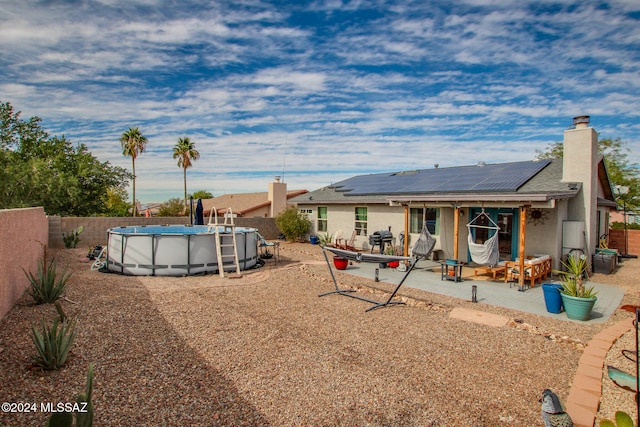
451, 269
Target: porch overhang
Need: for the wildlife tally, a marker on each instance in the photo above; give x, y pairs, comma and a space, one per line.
513, 200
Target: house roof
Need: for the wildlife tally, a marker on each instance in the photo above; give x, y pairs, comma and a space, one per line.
242, 203
498, 177
527, 181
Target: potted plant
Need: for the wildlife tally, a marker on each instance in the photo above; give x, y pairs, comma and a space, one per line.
578, 300
392, 264
341, 263
326, 239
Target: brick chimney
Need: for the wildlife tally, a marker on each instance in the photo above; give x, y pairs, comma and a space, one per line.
277, 196
580, 164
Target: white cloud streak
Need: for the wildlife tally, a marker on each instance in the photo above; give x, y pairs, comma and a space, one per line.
331, 89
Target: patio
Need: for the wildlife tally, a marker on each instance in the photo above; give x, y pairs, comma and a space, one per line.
426, 276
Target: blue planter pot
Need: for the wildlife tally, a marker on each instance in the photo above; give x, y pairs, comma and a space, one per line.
578, 308
552, 298
314, 240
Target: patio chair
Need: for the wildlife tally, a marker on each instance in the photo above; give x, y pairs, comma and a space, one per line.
264, 246
349, 244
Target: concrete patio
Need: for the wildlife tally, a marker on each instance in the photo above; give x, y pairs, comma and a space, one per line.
426, 276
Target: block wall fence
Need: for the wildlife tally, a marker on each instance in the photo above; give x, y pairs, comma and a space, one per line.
23, 238
95, 228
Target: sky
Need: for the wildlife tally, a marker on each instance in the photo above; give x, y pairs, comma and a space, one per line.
319, 91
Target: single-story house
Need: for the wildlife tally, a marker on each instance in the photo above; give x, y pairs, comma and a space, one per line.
540, 206
262, 204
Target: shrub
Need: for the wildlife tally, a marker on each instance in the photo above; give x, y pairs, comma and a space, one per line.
621, 226
53, 343
172, 207
293, 224
72, 239
47, 285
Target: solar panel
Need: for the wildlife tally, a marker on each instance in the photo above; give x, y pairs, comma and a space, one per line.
501, 177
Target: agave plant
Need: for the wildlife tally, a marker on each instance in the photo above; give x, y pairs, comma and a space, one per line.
47, 285
572, 279
53, 343
326, 239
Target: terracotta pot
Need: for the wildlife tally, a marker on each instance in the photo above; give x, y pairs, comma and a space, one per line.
340, 263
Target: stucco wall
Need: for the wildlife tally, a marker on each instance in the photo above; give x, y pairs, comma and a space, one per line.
540, 237
342, 218
545, 237
23, 237
95, 228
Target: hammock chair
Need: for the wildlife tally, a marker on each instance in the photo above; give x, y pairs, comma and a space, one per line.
487, 253
422, 248
424, 245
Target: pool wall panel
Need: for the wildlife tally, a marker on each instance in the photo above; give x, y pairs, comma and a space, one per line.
175, 250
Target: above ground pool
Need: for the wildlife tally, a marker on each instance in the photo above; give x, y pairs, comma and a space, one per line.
176, 250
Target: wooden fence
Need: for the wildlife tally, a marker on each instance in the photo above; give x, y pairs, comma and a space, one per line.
629, 244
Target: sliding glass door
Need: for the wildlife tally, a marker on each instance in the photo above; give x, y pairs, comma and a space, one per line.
507, 220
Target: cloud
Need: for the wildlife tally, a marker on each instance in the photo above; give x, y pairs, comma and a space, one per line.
329, 88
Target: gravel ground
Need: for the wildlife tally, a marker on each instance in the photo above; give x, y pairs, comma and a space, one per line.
615, 398
263, 349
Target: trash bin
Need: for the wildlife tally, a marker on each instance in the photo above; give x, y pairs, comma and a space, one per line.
603, 263
552, 298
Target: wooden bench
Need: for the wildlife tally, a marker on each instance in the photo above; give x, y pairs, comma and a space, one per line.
493, 271
535, 268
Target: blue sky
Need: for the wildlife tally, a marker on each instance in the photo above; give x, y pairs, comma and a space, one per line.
322, 90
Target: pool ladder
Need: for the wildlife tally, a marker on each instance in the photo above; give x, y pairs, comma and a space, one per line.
224, 239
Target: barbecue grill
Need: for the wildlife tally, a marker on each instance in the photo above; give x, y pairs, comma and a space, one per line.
380, 238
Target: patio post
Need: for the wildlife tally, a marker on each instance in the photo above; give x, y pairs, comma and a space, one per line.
406, 230
523, 222
456, 223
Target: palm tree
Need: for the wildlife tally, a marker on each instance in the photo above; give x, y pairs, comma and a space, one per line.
133, 144
186, 153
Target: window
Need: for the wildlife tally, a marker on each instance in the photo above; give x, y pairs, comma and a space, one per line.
322, 219
361, 221
417, 217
